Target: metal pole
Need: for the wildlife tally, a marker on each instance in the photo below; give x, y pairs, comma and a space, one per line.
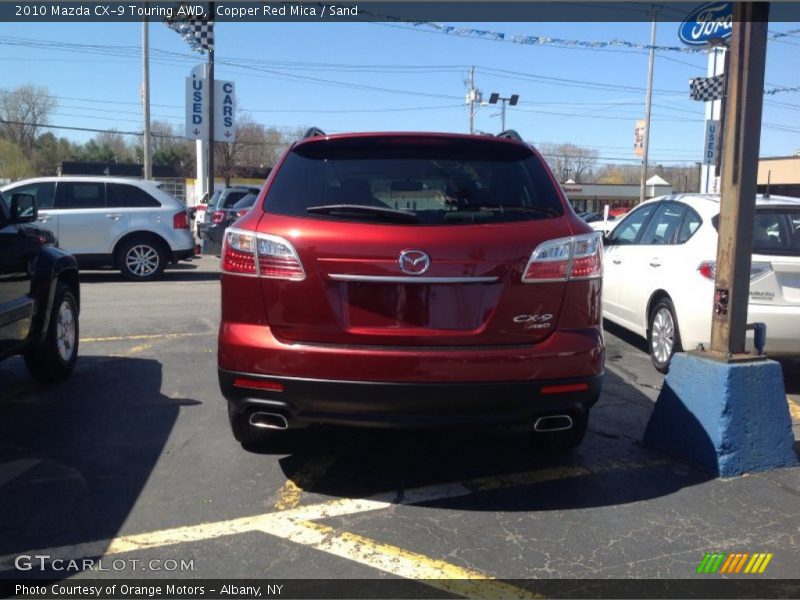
147, 169
210, 83
503, 115
648, 102
744, 103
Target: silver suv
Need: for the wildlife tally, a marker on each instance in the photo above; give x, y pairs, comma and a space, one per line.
129, 224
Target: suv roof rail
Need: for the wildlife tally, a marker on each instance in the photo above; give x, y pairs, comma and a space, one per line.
510, 134
313, 132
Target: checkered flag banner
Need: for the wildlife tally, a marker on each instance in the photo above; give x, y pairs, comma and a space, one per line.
198, 33
707, 88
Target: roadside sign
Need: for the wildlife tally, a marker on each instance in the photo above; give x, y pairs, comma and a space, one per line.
197, 107
224, 111
707, 23
196, 104
638, 138
711, 144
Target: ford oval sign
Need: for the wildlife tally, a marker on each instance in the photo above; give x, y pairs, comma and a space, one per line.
712, 21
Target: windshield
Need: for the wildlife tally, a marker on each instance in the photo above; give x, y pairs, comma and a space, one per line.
775, 231
398, 181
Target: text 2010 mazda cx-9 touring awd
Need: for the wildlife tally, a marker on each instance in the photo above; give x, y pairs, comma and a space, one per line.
411, 280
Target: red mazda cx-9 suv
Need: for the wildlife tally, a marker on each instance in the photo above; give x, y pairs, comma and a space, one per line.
411, 280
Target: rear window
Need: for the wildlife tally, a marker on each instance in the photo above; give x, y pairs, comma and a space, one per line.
431, 182
775, 231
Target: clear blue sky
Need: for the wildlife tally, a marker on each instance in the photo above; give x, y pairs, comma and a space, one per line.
302, 74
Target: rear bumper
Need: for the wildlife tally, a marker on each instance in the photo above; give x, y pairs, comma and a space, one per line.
182, 254
409, 405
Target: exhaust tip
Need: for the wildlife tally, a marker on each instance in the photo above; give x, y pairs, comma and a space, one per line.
553, 423
266, 420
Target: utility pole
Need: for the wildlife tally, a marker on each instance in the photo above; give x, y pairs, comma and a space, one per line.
147, 169
471, 99
210, 83
743, 107
648, 103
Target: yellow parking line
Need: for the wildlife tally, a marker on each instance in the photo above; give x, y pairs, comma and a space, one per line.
291, 492
294, 524
147, 336
451, 578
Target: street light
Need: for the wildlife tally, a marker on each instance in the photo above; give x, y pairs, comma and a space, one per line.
512, 101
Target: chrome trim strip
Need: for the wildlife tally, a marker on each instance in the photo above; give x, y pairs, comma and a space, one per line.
409, 279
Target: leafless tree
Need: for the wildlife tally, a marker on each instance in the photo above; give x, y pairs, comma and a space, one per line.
569, 161
23, 111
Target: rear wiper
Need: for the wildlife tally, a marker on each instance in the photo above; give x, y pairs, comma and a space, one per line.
511, 208
391, 214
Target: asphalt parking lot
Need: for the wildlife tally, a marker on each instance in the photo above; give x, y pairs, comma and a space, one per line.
132, 458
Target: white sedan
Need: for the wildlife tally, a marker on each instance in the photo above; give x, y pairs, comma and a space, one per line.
659, 271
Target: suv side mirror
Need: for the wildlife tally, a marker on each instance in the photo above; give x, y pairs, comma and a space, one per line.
23, 208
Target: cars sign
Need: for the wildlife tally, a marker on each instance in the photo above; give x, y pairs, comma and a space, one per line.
712, 21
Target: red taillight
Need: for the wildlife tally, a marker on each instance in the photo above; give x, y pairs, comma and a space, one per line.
180, 220
218, 217
277, 258
579, 257
241, 213
239, 252
708, 269
258, 384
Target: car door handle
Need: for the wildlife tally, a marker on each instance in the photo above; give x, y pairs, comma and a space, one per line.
655, 262
113, 216
616, 261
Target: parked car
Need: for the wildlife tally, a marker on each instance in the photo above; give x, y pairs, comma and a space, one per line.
224, 218
660, 269
411, 280
129, 224
39, 293
221, 200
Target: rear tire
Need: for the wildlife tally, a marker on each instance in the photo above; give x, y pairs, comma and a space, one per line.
663, 335
54, 359
247, 435
141, 259
562, 441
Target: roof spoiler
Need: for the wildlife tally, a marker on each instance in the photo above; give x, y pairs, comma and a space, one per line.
313, 132
510, 134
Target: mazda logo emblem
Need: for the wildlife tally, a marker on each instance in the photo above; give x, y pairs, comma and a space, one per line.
414, 262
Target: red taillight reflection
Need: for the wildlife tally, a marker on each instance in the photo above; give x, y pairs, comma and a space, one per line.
258, 384
218, 217
180, 220
563, 389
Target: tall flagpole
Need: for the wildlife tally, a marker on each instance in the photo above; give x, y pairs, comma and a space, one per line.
210, 83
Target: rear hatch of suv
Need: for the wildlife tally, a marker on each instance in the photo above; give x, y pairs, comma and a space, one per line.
775, 270
411, 240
